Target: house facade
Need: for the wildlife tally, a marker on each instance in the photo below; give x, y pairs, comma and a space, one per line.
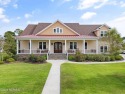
66, 38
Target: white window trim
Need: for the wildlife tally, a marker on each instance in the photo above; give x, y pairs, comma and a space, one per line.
73, 45
103, 32
42, 45
59, 30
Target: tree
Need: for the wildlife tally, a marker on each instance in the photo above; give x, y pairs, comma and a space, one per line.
10, 43
115, 41
1, 43
18, 31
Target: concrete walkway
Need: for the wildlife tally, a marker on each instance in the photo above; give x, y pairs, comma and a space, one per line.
52, 85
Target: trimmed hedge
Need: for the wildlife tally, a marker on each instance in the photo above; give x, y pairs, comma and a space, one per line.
78, 57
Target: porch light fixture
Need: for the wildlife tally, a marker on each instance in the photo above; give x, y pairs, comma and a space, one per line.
51, 43
63, 43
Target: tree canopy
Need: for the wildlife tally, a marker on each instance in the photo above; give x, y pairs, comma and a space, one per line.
18, 31
115, 41
10, 43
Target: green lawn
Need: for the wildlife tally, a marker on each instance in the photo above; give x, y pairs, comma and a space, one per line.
23, 78
93, 79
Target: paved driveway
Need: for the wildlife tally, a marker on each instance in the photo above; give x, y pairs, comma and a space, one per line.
52, 85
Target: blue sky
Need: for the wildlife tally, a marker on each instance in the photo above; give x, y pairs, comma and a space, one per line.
18, 13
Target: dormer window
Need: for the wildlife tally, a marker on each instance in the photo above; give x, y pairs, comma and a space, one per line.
58, 30
103, 33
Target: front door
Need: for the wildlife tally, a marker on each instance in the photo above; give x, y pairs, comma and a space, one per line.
57, 47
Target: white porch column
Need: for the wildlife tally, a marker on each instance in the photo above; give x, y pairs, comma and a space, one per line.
84, 46
17, 45
49, 46
65, 46
30, 46
97, 46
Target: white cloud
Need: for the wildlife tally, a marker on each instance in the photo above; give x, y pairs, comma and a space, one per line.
18, 18
84, 4
52, 0
32, 22
88, 15
27, 15
3, 17
15, 5
122, 4
5, 2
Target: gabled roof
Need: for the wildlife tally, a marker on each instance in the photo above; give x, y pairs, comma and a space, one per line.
60, 23
75, 27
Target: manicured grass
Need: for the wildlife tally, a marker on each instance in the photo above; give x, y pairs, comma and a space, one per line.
93, 79
23, 78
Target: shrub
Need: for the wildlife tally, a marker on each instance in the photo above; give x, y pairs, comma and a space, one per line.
32, 58
71, 57
90, 57
1, 62
41, 59
118, 57
9, 60
107, 58
79, 56
5, 57
112, 58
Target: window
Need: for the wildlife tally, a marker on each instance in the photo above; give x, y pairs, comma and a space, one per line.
19, 44
54, 30
29, 45
103, 49
58, 30
103, 33
42, 45
85, 45
73, 45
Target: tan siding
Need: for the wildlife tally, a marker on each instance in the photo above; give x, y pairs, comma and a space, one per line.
49, 31
102, 43
91, 44
102, 28
24, 44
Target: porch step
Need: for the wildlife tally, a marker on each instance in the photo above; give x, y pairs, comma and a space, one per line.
57, 57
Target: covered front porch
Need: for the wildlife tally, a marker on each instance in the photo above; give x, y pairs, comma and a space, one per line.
86, 46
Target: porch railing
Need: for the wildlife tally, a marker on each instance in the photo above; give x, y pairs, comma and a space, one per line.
91, 51
33, 51
73, 51
24, 51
